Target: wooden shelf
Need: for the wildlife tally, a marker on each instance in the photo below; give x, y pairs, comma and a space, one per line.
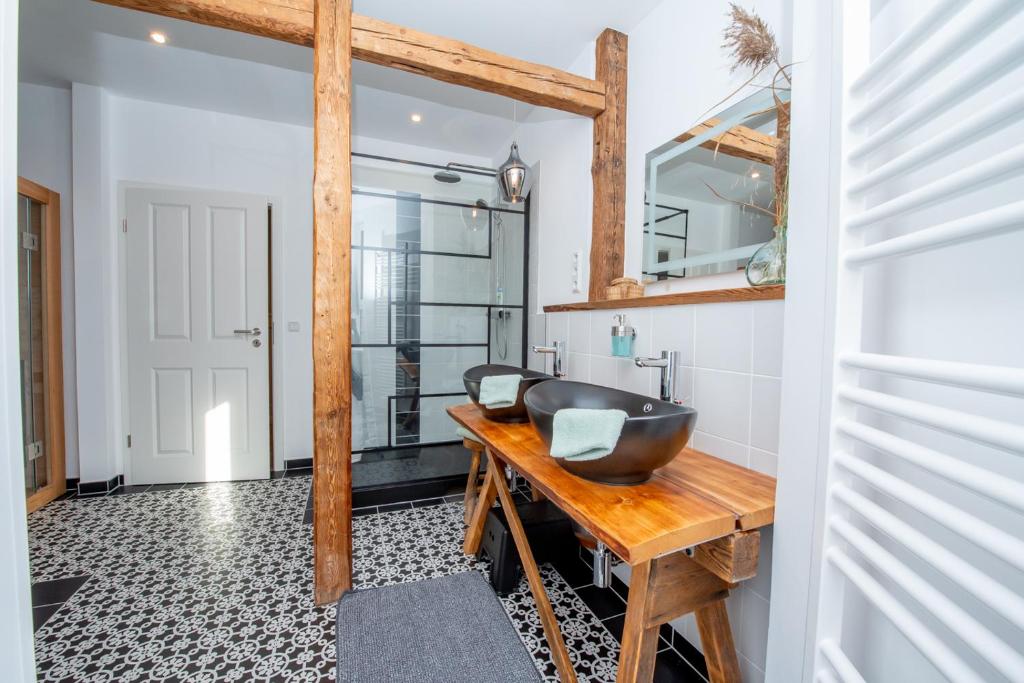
713, 296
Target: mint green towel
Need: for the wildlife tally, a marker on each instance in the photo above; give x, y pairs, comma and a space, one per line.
499, 391
586, 434
466, 434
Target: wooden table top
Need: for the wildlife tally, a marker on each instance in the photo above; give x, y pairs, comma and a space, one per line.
695, 498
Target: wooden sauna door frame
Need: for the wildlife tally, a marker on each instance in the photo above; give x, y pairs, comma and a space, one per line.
53, 363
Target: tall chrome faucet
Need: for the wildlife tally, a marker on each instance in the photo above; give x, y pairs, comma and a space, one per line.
668, 362
557, 351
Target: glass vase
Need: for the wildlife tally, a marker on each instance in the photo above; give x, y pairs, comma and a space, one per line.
768, 264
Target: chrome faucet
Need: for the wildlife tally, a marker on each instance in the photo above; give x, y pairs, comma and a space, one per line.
557, 351
668, 362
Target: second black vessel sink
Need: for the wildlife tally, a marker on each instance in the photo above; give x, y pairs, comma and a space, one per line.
653, 434
516, 413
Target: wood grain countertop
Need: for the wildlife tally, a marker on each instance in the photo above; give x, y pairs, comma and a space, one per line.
695, 498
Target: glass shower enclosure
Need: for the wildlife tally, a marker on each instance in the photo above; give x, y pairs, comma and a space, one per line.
438, 286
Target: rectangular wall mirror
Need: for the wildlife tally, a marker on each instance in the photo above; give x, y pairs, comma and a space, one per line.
710, 199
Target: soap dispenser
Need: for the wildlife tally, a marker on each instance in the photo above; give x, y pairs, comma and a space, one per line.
623, 337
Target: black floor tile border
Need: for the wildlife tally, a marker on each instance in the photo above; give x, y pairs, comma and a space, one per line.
42, 613
56, 590
298, 464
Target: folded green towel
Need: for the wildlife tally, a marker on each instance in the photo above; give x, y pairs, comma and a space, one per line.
466, 434
586, 434
499, 391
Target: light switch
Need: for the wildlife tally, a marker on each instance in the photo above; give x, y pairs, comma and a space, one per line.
293, 326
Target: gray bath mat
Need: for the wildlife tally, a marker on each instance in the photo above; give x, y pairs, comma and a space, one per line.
451, 629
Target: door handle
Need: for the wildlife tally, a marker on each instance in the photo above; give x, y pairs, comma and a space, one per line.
254, 332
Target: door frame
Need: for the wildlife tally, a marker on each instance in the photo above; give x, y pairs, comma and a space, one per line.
123, 187
53, 360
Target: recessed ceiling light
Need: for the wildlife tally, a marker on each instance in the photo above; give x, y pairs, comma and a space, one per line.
415, 118
158, 37
755, 174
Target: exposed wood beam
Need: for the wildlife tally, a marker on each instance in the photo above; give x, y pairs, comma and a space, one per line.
332, 340
395, 46
608, 169
738, 141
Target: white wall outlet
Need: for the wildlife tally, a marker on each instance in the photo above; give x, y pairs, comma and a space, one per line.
576, 276
293, 326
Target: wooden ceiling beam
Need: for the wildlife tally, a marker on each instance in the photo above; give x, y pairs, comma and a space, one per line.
738, 141
380, 42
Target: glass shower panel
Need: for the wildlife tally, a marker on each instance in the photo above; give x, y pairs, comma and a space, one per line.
437, 287
30, 312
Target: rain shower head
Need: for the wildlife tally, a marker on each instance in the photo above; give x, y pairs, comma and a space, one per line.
447, 176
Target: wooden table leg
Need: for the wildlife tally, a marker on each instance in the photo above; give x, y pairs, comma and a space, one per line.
716, 637
661, 590
547, 616
469, 499
639, 641
484, 501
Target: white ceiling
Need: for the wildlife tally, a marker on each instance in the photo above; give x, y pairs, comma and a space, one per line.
64, 41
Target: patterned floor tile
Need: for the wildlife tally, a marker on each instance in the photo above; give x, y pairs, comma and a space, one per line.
213, 584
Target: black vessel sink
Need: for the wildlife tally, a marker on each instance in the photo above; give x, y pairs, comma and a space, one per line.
514, 413
654, 433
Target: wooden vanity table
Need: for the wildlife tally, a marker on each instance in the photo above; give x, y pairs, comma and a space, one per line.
690, 534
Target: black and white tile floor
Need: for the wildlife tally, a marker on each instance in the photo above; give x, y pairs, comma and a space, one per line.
212, 583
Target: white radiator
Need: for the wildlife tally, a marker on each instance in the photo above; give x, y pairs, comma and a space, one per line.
920, 553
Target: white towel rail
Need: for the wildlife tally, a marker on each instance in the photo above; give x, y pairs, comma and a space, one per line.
840, 662
993, 378
982, 481
1000, 655
931, 646
983, 430
908, 41
994, 594
971, 528
978, 226
1010, 162
966, 36
968, 82
984, 123
915, 524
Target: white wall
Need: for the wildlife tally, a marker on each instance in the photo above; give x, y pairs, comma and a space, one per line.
119, 141
44, 141
730, 372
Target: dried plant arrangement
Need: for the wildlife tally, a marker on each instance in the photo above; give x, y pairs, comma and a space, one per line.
753, 46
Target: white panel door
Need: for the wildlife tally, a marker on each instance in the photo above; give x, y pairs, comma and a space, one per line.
198, 363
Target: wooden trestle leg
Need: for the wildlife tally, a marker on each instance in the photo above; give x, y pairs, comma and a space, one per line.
547, 616
663, 589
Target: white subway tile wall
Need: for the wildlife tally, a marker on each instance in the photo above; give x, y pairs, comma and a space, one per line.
731, 372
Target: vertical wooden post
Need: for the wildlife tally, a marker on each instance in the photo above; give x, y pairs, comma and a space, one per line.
608, 169
332, 342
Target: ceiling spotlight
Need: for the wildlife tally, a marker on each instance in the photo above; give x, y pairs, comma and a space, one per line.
755, 174
415, 118
158, 38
